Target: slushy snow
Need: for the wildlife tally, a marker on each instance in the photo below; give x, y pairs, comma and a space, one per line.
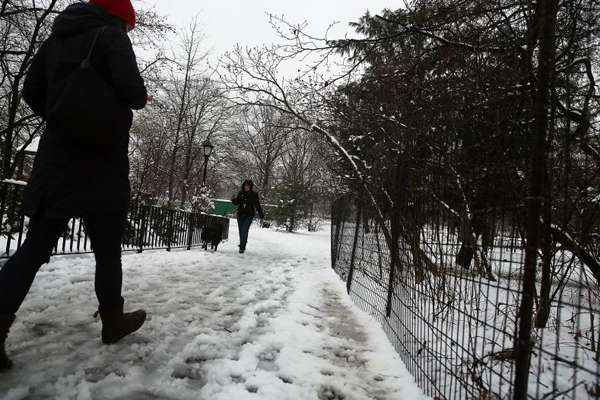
272, 324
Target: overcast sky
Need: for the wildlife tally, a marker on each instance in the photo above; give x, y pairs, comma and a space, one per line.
228, 22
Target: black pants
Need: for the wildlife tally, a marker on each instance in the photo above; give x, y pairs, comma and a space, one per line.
105, 233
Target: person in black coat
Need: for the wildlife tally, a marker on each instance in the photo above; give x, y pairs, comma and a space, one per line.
248, 203
73, 180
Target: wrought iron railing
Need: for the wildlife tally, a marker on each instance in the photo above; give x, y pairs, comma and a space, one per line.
148, 227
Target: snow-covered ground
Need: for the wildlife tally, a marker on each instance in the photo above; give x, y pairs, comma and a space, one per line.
274, 323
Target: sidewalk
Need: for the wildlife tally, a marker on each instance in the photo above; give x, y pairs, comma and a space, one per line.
274, 323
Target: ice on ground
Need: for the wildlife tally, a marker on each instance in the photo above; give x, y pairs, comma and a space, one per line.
274, 323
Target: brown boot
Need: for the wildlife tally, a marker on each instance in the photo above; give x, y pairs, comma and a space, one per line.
116, 324
5, 323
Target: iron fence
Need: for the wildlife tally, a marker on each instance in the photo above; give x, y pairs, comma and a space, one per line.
148, 227
451, 306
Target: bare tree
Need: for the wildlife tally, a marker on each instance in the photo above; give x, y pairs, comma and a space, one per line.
188, 108
256, 142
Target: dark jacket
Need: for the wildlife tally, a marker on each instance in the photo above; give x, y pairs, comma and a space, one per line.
248, 202
69, 179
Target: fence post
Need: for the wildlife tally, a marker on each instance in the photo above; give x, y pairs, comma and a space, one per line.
354, 244
190, 230
170, 229
10, 211
335, 231
394, 261
142, 234
394, 250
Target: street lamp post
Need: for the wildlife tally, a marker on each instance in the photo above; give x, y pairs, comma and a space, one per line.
208, 149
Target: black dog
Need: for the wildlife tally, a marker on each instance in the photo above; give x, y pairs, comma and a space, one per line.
213, 235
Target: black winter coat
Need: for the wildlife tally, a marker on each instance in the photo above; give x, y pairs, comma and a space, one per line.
69, 179
248, 204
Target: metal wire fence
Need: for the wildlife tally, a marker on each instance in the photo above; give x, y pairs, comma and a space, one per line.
148, 228
451, 305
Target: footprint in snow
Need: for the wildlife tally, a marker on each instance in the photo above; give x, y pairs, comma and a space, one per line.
234, 312
97, 374
264, 293
348, 356
330, 393
80, 279
262, 322
191, 372
140, 395
252, 389
269, 310
197, 360
267, 359
42, 329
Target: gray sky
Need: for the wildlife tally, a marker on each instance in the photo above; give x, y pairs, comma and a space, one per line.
228, 22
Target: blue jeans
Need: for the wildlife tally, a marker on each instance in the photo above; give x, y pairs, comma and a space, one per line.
244, 223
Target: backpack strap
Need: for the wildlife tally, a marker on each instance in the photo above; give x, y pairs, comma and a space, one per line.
87, 61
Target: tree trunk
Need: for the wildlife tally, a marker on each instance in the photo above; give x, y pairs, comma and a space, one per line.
546, 16
172, 172
187, 169
543, 312
266, 182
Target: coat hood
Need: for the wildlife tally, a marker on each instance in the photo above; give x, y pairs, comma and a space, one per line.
82, 17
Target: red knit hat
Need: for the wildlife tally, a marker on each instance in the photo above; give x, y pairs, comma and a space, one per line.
119, 8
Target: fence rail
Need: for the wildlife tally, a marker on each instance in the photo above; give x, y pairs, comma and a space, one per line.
147, 228
451, 307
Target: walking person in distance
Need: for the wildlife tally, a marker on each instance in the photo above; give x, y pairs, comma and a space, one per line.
82, 166
248, 203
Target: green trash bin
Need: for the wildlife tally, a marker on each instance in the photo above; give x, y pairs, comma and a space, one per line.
223, 208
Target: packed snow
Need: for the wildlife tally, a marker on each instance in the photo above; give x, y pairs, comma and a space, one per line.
274, 323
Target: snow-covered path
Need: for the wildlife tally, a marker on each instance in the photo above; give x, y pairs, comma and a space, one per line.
274, 323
